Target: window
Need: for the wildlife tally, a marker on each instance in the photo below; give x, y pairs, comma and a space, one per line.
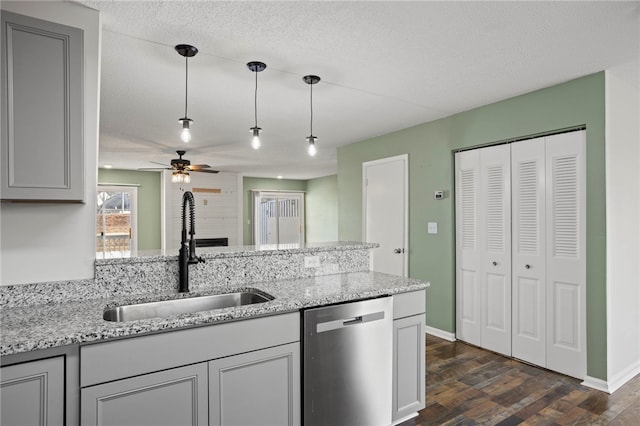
116, 220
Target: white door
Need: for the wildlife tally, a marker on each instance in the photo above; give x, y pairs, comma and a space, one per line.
528, 260
566, 253
385, 209
278, 218
468, 295
495, 254
483, 247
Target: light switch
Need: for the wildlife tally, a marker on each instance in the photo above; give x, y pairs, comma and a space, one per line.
432, 227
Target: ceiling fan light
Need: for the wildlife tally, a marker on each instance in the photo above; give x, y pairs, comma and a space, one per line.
180, 177
255, 140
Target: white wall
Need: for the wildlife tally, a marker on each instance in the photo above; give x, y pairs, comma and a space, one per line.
623, 228
218, 215
55, 242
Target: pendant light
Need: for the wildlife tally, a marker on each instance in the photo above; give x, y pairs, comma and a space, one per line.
187, 51
256, 67
311, 80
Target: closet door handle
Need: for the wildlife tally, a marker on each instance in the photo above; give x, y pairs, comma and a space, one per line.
494, 263
527, 266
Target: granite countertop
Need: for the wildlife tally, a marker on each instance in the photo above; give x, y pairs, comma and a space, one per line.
29, 328
230, 251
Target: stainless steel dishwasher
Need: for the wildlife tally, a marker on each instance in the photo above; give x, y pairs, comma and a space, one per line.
347, 364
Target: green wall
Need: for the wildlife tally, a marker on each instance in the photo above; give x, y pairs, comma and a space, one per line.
322, 209
148, 202
430, 147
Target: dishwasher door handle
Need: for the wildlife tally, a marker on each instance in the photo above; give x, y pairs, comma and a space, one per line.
347, 322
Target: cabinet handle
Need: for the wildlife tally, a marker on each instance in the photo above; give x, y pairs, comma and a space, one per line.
494, 263
527, 266
397, 251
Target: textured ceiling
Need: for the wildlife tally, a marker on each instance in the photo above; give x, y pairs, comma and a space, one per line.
384, 66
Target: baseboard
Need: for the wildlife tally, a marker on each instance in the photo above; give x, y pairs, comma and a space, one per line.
404, 419
597, 384
616, 382
624, 376
440, 333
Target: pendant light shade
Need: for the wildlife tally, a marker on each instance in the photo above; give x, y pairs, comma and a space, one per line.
187, 51
256, 67
311, 140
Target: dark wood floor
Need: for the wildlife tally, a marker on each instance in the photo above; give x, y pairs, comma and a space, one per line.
470, 386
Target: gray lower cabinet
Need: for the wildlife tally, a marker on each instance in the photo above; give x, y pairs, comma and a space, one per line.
408, 366
260, 388
408, 387
173, 397
33, 393
42, 147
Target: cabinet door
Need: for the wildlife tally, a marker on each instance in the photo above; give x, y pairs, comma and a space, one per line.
33, 393
173, 397
408, 366
259, 388
42, 128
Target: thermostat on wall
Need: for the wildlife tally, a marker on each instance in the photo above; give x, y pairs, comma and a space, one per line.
438, 195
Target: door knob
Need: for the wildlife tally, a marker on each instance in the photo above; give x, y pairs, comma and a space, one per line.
494, 263
397, 251
527, 266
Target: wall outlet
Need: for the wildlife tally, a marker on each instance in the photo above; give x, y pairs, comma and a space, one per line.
311, 262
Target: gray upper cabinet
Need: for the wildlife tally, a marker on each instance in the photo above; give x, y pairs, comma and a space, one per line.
42, 110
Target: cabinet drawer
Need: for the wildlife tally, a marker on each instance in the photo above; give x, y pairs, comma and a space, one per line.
102, 362
408, 304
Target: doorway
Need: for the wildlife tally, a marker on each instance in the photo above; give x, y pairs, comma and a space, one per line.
385, 207
116, 220
278, 218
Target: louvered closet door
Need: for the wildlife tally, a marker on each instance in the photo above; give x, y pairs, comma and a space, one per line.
495, 248
468, 317
528, 259
566, 253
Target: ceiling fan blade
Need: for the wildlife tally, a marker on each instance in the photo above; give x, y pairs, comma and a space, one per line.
205, 171
154, 168
162, 164
198, 166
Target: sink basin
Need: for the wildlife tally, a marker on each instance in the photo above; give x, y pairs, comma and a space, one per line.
189, 305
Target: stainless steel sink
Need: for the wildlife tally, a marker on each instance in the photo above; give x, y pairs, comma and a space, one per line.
189, 305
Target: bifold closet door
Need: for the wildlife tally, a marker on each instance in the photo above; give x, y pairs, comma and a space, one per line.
566, 278
483, 248
528, 260
468, 297
549, 252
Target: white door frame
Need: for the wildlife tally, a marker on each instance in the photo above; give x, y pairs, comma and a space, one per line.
405, 159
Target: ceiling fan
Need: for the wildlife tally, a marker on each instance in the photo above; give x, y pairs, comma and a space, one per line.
182, 165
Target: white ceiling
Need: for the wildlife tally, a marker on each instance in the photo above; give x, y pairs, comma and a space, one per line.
384, 66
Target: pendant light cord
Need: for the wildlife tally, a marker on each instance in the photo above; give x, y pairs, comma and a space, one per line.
186, 84
255, 100
311, 102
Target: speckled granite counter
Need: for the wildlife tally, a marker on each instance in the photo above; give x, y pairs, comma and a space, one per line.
34, 327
